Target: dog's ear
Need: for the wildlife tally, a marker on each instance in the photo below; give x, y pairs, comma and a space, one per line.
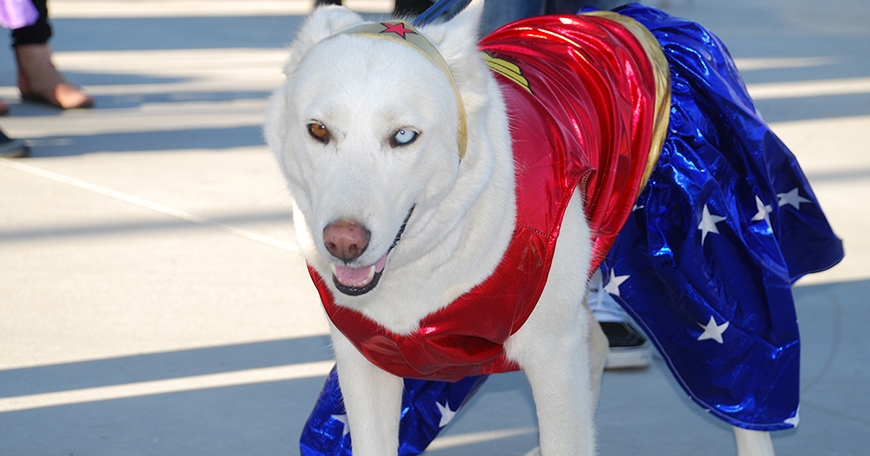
456, 40
459, 35
324, 22
321, 24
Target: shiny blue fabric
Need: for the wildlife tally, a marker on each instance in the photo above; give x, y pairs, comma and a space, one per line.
704, 264
424, 406
674, 277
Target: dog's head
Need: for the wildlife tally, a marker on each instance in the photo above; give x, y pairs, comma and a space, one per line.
369, 133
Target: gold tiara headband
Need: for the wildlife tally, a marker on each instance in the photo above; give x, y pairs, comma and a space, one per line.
402, 32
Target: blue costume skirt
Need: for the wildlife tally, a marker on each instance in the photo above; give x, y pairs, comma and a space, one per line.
704, 264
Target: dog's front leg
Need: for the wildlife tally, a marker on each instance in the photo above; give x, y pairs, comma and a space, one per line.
753, 443
372, 398
559, 372
559, 346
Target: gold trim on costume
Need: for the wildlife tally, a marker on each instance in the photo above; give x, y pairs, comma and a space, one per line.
661, 71
507, 69
404, 33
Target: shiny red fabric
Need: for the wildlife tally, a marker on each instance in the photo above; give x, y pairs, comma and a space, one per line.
581, 114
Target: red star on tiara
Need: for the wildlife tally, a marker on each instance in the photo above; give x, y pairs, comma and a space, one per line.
398, 28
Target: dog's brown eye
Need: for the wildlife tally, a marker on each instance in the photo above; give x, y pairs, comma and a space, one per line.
319, 132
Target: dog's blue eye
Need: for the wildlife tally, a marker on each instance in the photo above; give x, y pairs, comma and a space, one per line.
403, 137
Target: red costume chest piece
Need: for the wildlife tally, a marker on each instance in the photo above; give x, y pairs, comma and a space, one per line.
581, 116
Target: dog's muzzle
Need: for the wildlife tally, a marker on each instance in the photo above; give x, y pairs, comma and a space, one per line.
358, 281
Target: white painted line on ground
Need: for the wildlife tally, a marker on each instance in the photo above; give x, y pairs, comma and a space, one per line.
766, 63
141, 202
452, 441
174, 385
96, 9
232, 63
803, 89
102, 9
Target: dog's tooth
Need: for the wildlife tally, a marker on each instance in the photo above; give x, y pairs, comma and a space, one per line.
371, 274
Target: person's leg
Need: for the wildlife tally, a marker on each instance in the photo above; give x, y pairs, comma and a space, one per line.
574, 6
496, 14
628, 347
563, 6
411, 7
600, 4
38, 78
37, 33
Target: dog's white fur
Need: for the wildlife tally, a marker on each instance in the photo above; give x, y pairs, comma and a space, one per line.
365, 89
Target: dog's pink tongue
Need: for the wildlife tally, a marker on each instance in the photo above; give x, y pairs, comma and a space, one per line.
353, 277
359, 277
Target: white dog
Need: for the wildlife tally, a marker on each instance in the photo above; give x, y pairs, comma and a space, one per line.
403, 180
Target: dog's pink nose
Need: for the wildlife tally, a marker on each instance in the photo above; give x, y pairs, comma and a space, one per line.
346, 240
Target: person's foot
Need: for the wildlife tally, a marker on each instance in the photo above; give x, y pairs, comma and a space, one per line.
40, 82
628, 348
12, 148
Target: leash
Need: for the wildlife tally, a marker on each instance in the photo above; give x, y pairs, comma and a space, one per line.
433, 12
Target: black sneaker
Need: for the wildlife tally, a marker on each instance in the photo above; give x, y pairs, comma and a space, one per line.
629, 349
12, 148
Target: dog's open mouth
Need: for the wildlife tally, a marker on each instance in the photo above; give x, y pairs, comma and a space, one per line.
359, 281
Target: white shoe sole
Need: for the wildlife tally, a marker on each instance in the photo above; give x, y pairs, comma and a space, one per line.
629, 358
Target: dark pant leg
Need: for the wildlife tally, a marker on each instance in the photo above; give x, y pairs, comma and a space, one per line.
39, 32
411, 7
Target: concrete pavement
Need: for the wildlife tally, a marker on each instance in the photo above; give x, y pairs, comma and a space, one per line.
152, 301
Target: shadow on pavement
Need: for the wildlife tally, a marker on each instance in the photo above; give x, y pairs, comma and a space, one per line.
161, 366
